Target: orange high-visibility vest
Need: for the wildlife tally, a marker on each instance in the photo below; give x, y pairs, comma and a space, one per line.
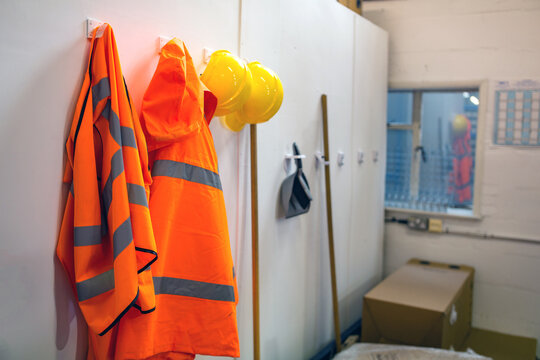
193, 278
106, 241
462, 163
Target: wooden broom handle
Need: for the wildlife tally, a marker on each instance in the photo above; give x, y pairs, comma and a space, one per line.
330, 222
255, 241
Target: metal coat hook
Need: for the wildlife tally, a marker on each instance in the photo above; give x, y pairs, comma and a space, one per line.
91, 25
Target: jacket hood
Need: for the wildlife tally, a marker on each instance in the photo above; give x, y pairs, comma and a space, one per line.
176, 102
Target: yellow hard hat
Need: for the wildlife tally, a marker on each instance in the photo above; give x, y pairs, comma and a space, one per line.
460, 124
265, 98
229, 79
233, 122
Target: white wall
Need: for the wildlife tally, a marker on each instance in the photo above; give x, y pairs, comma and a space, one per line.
43, 58
314, 47
318, 47
460, 40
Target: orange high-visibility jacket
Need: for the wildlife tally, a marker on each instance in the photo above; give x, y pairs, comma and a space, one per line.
106, 241
193, 278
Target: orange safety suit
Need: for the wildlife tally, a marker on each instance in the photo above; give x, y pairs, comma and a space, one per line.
194, 279
460, 177
106, 243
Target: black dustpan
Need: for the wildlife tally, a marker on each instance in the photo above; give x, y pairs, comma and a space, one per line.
295, 193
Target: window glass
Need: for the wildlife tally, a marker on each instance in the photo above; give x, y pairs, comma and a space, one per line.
448, 137
399, 107
398, 167
435, 174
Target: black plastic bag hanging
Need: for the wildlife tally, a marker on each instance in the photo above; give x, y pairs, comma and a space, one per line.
295, 194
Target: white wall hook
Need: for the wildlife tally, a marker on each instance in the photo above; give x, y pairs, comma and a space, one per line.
207, 53
375, 155
162, 41
340, 158
287, 161
291, 156
320, 159
360, 156
91, 24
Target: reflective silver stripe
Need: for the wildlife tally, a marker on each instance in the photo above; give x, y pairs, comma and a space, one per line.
95, 286
106, 195
117, 167
192, 288
187, 172
128, 137
122, 237
137, 194
100, 91
114, 122
117, 164
124, 136
87, 235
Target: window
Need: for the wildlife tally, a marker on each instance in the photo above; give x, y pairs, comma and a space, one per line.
431, 150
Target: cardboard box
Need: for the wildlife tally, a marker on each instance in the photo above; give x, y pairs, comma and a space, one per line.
500, 346
421, 304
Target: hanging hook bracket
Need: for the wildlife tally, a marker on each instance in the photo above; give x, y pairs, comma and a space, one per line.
91, 25
287, 161
319, 156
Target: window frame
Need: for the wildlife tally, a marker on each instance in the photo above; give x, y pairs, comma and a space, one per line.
417, 88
